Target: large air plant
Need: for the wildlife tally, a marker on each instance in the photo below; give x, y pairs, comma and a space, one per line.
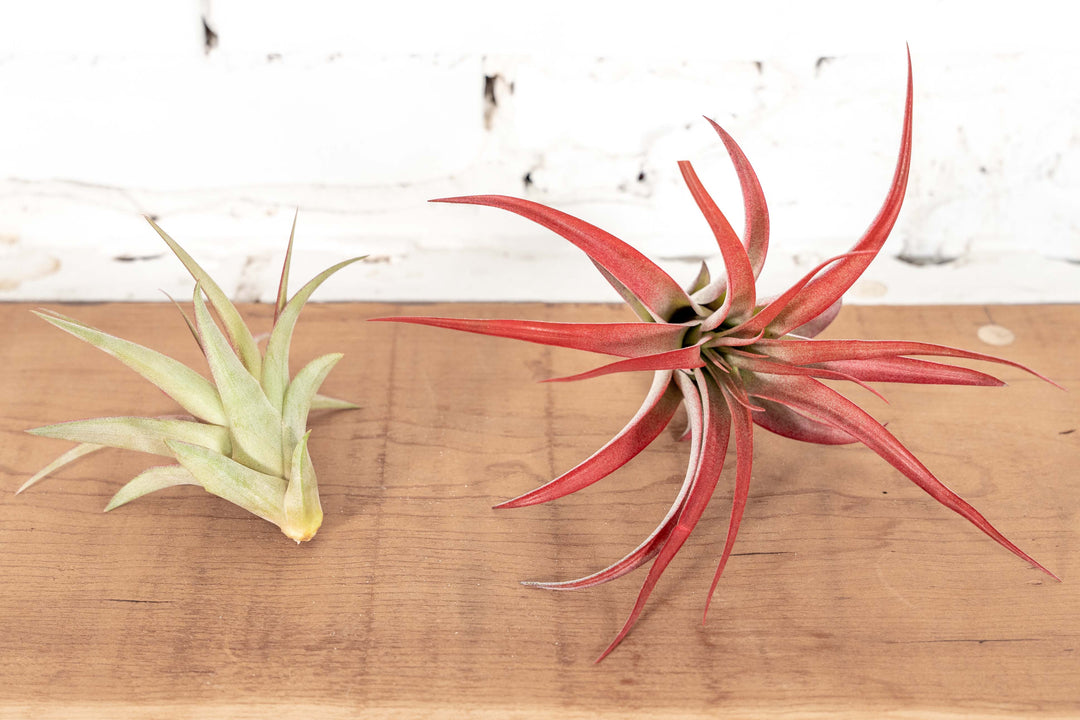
244, 436
732, 361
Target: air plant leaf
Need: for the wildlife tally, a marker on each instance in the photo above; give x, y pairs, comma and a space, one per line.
299, 396
687, 357
655, 413
303, 512
651, 545
79, 451
283, 283
756, 228
258, 493
324, 402
782, 420
834, 282
276, 363
246, 438
187, 387
739, 298
239, 334
148, 435
622, 339
253, 423
740, 362
632, 301
151, 480
650, 285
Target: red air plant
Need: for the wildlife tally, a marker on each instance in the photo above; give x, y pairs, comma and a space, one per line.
732, 362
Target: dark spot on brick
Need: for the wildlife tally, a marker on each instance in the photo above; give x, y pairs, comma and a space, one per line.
924, 260
210, 38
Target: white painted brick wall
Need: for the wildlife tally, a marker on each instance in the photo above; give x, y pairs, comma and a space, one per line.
358, 113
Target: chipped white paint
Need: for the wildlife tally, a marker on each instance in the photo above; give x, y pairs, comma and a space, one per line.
359, 118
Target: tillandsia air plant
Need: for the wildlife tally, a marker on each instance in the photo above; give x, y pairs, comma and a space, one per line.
244, 436
733, 361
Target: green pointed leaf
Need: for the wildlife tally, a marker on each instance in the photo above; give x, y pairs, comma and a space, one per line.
325, 402
256, 492
300, 393
141, 434
254, 424
187, 320
283, 284
70, 456
701, 281
275, 377
187, 387
239, 334
151, 480
303, 511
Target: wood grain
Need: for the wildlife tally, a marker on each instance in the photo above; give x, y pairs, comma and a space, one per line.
851, 593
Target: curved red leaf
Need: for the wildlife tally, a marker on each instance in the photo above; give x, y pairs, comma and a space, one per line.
740, 297
806, 352
824, 291
762, 320
631, 339
743, 430
682, 359
810, 396
756, 232
910, 370
717, 426
784, 421
758, 364
641, 276
816, 326
648, 549
649, 421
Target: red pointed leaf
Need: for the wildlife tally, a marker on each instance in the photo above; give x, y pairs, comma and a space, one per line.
757, 364
732, 341
784, 421
625, 339
756, 232
648, 549
740, 296
682, 359
810, 396
655, 413
642, 554
819, 323
743, 430
763, 319
654, 287
825, 290
717, 426
805, 352
909, 370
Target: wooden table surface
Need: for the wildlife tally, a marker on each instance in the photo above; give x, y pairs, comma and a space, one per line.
851, 593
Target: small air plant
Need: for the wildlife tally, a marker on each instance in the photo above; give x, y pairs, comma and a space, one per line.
245, 436
732, 361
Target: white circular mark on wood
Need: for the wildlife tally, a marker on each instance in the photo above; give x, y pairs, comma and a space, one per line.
996, 335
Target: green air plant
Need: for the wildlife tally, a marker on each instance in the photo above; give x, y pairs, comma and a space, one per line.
733, 361
244, 436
